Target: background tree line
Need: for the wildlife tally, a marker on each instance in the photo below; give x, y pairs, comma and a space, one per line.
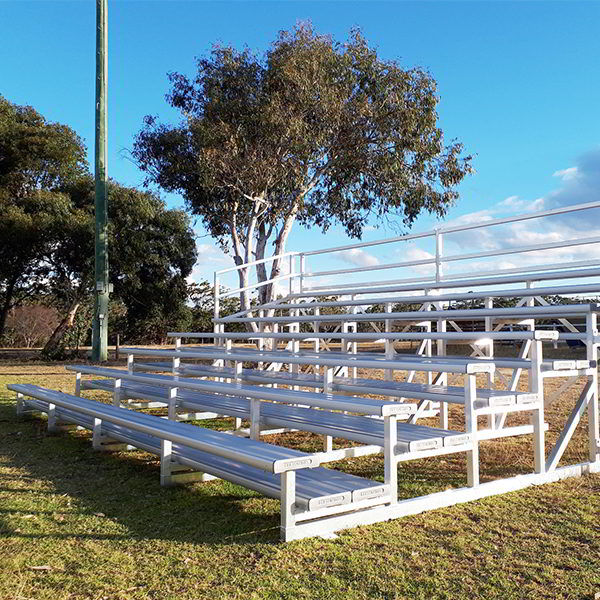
47, 252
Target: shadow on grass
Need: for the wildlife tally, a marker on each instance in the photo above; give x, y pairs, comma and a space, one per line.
124, 488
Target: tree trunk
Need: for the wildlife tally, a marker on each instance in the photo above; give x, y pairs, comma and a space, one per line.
6, 305
54, 344
280, 243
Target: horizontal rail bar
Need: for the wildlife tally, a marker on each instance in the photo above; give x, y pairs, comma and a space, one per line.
519, 249
411, 263
332, 287
417, 335
257, 262
401, 238
422, 299
458, 228
528, 269
258, 284
373, 363
444, 284
525, 312
457, 257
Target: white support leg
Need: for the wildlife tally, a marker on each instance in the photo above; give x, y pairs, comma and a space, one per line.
536, 386
97, 434
117, 392
237, 377
172, 473
327, 381
471, 428
166, 452
254, 418
78, 384
103, 443
288, 499
54, 426
52, 421
20, 405
176, 360
389, 454
130, 359
442, 378
172, 409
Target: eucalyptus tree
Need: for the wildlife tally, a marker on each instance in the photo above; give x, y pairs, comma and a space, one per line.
313, 131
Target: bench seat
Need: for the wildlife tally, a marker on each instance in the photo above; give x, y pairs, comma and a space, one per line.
418, 391
316, 487
411, 438
365, 406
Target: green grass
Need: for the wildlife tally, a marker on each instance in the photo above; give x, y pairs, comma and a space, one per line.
106, 530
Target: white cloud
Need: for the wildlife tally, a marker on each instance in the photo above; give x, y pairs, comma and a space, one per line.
210, 259
567, 174
579, 184
358, 257
416, 253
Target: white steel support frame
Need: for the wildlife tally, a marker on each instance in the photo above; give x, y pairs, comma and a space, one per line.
296, 524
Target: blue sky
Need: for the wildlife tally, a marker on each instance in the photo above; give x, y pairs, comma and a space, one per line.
519, 81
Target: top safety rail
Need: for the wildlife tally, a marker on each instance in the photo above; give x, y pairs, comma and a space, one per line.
297, 275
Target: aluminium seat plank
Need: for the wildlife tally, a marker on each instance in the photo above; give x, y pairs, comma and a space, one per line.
264, 456
323, 400
315, 488
417, 391
411, 437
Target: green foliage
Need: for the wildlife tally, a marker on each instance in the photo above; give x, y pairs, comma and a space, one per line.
37, 159
154, 252
47, 236
313, 130
201, 297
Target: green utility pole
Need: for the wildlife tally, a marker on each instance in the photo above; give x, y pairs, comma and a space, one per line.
100, 325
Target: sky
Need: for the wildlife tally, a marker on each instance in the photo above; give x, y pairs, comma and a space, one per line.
519, 86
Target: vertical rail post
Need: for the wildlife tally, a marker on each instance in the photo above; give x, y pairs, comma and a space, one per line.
216, 308
593, 407
291, 280
439, 251
390, 351
489, 350
302, 269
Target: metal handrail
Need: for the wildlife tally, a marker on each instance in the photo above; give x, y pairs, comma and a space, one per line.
436, 261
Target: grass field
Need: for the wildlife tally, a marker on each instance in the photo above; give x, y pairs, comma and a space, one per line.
78, 524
